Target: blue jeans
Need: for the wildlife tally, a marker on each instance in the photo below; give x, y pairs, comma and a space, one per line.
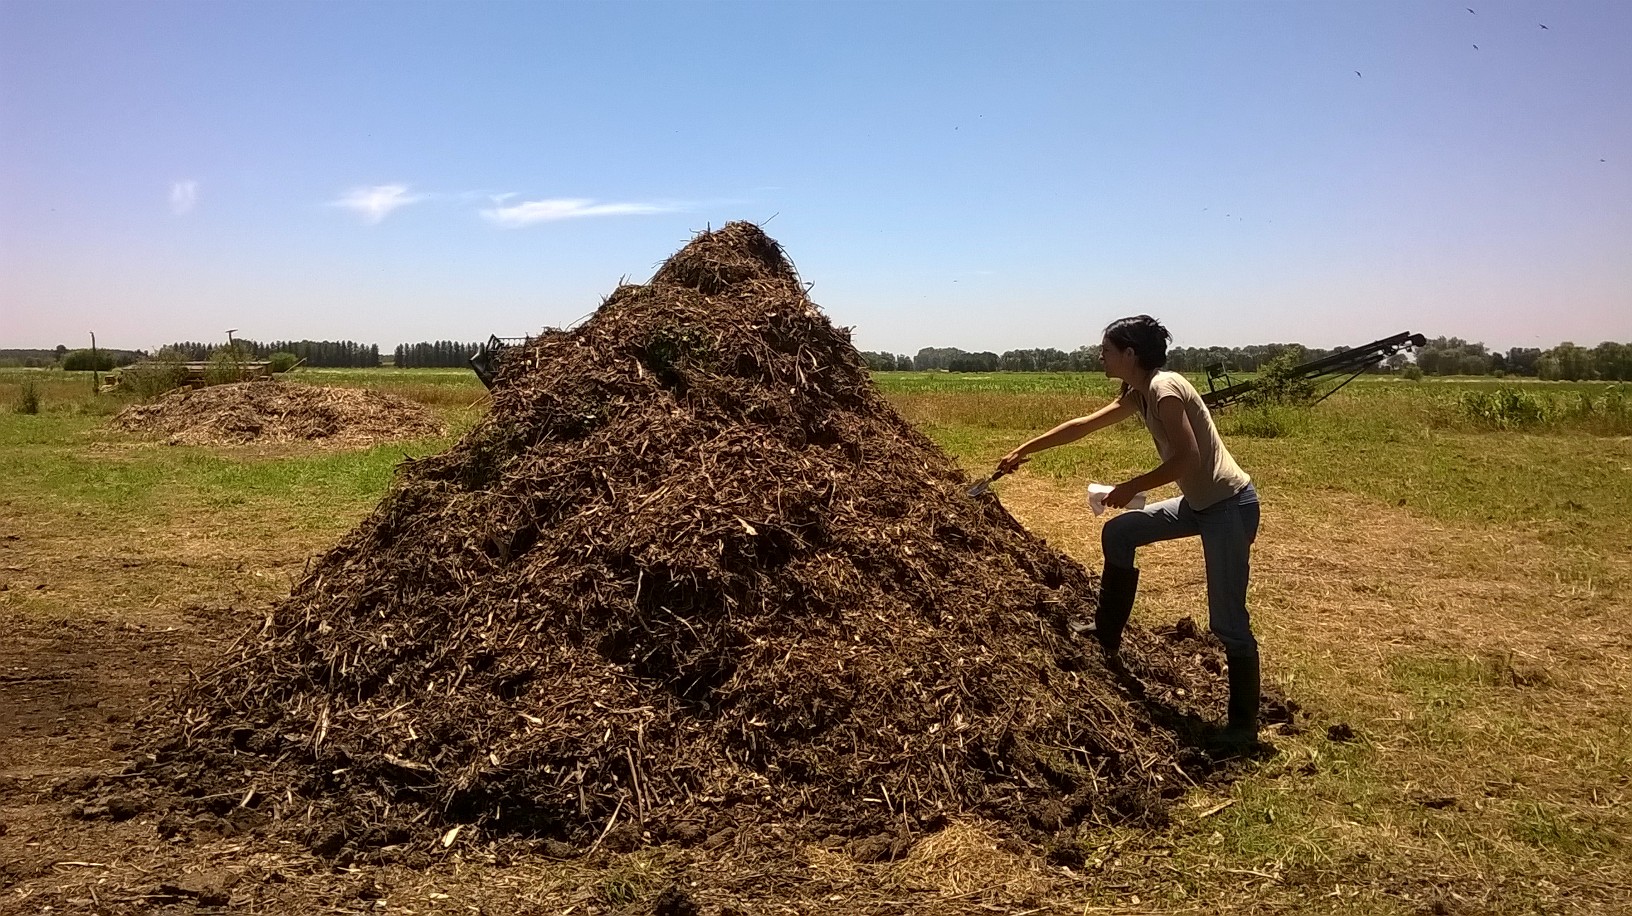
1227, 529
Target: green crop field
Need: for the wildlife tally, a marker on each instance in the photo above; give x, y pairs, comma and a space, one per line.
1441, 583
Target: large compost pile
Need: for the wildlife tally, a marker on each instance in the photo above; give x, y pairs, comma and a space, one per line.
691, 572
278, 412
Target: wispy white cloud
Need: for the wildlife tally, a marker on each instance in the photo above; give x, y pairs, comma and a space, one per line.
183, 197
528, 212
376, 203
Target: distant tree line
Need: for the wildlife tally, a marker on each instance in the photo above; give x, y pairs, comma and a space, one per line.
1082, 359
62, 357
1440, 356
323, 354
440, 354
1568, 361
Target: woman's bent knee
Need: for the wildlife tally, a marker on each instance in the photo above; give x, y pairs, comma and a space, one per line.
1116, 541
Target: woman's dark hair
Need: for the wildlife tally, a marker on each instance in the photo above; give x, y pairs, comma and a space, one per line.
1145, 335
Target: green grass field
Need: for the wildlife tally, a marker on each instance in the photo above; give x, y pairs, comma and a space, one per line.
1453, 591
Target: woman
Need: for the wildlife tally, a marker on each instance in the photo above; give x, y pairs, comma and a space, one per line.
1219, 504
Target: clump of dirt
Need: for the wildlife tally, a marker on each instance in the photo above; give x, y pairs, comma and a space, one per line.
279, 412
692, 573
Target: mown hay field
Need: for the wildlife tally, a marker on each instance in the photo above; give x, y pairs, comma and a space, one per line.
1443, 592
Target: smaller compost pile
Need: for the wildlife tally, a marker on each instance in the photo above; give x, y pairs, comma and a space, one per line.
692, 572
277, 412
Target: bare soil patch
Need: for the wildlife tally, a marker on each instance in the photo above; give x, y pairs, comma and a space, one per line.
70, 690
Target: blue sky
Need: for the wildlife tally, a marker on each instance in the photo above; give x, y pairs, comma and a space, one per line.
979, 175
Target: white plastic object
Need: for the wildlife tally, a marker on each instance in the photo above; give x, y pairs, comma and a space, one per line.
1098, 491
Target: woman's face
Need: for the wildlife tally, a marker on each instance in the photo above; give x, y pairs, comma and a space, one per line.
1119, 363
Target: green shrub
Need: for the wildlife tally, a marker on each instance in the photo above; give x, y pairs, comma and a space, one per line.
1277, 383
226, 365
1412, 373
29, 400
86, 361
151, 378
282, 361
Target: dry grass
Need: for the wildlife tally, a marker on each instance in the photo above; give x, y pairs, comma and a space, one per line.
1485, 674
146, 572
968, 860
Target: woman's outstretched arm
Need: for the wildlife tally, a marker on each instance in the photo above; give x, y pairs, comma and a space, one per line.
1069, 431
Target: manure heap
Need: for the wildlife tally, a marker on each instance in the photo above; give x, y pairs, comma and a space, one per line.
691, 572
267, 411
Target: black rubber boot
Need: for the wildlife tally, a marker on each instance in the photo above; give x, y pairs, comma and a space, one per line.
1241, 729
1116, 590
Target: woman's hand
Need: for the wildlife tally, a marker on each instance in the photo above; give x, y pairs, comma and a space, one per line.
1012, 460
1121, 495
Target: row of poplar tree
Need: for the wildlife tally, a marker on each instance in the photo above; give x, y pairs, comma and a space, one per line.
324, 354
439, 354
345, 354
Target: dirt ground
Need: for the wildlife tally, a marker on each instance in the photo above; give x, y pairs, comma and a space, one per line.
72, 691
72, 842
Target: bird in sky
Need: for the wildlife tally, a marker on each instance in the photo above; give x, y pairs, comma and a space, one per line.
1546, 28
1470, 9
1476, 47
1357, 73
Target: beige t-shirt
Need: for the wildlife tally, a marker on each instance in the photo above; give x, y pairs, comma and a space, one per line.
1217, 475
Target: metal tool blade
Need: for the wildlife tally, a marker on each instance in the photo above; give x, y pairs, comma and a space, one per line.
980, 489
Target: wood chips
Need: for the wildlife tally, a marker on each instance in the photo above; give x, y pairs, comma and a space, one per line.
692, 573
276, 412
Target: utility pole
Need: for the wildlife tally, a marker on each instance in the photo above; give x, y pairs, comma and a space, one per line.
96, 383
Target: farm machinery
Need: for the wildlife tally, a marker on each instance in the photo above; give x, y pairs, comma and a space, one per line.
485, 361
196, 374
1349, 363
